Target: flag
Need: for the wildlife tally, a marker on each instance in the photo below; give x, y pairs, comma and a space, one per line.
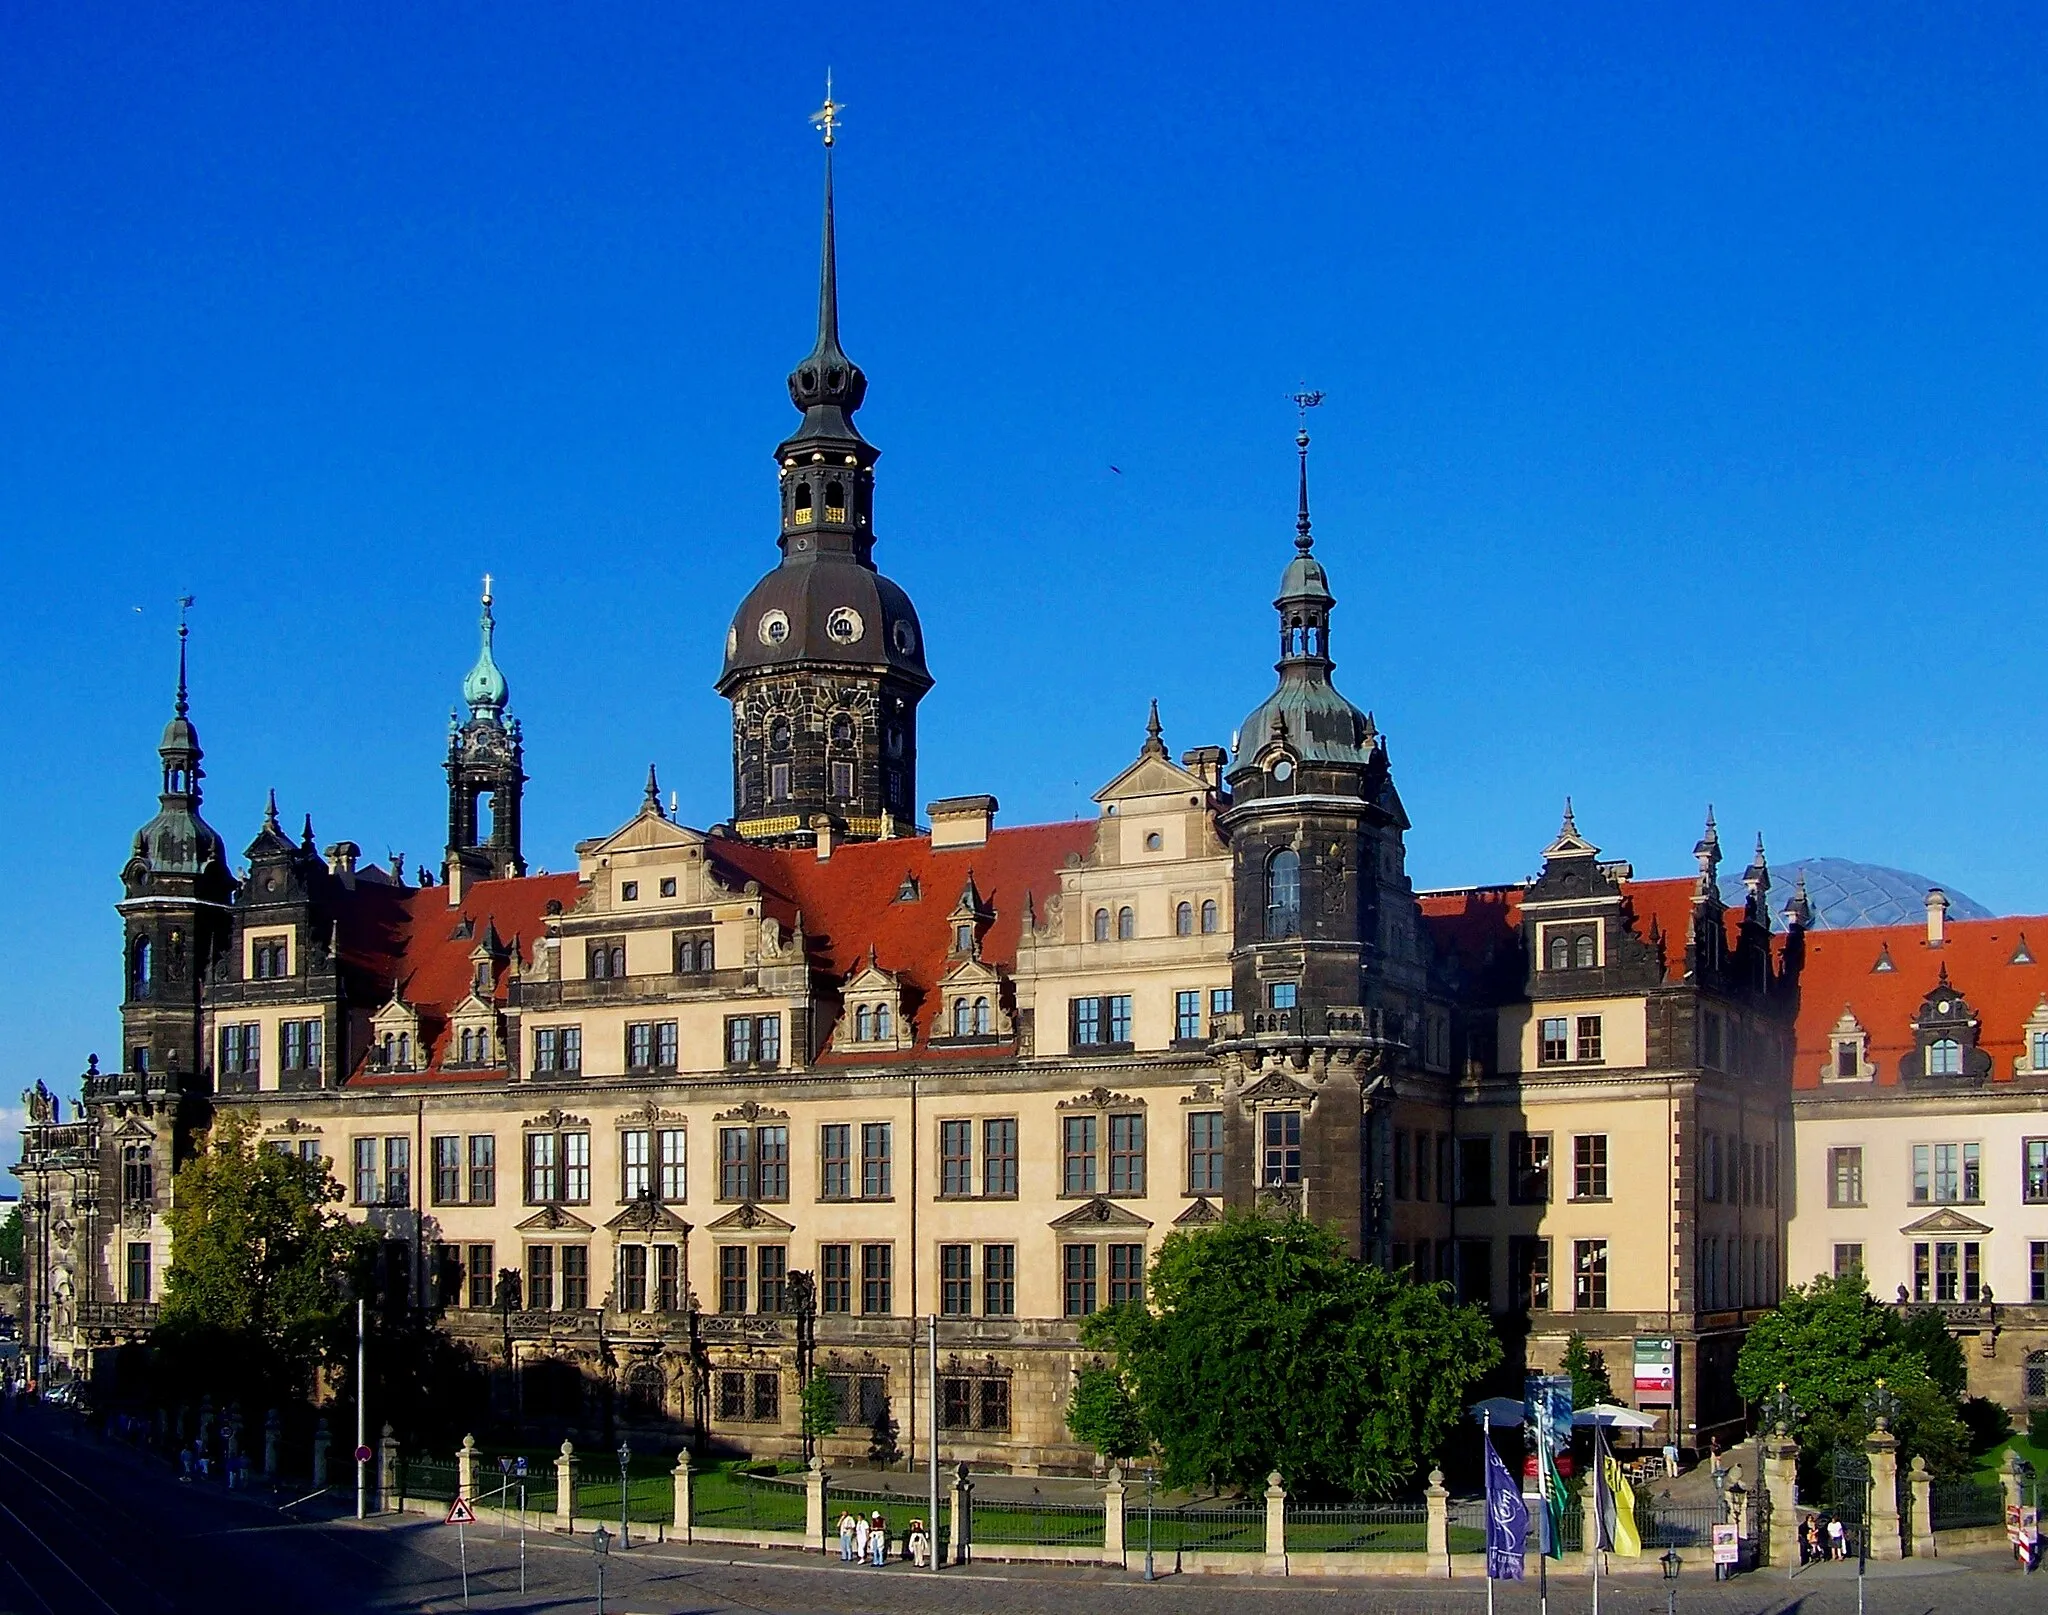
1507, 1520
1555, 1501
1615, 1502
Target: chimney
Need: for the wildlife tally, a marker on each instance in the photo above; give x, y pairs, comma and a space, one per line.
341, 862
961, 821
825, 835
1207, 762
1937, 916
458, 879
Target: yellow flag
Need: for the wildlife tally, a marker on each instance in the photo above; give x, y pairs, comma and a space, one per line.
1623, 1536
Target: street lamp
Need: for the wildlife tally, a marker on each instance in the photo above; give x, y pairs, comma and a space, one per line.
625, 1463
1151, 1476
1672, 1564
1781, 1410
601, 1540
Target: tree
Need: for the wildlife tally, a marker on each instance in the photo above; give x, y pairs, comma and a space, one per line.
1266, 1347
882, 1449
818, 1408
1588, 1369
1828, 1343
10, 1240
260, 1267
1101, 1413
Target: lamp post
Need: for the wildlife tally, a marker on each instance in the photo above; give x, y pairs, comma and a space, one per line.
601, 1540
1880, 1404
1151, 1477
1672, 1565
625, 1463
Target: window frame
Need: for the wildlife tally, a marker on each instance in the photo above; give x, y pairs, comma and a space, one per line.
1590, 1167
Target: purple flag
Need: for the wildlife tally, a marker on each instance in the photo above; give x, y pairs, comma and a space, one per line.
1507, 1520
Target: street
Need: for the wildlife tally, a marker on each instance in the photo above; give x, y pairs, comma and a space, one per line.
100, 1529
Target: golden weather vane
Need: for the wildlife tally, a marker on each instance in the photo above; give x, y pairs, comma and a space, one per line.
826, 118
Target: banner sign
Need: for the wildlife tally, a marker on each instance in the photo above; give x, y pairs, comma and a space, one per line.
1727, 1546
1507, 1521
1656, 1370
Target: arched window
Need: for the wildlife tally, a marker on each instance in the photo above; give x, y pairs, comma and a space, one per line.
1582, 953
1312, 641
1102, 925
863, 1024
961, 1023
842, 730
1945, 1058
404, 1050
835, 502
981, 1017
2036, 1386
1560, 952
1184, 920
884, 1024
138, 969
1126, 925
384, 1053
468, 1044
1283, 894
778, 734
802, 507
1209, 916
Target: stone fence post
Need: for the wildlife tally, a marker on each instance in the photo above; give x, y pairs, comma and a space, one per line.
1113, 1518
963, 1515
1882, 1450
1437, 1538
273, 1430
1922, 1483
681, 1476
815, 1488
1276, 1525
2009, 1480
1781, 1485
465, 1470
321, 1442
387, 1471
565, 1490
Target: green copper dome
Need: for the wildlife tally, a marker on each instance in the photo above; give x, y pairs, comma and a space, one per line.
484, 688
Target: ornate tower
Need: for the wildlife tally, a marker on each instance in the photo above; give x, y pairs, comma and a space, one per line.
824, 661
174, 919
484, 771
1329, 966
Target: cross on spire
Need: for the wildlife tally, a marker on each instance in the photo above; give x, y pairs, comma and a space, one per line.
826, 118
1304, 401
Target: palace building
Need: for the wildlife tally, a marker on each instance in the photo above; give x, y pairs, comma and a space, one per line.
725, 1107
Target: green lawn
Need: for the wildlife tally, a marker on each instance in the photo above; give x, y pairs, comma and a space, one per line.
1994, 1460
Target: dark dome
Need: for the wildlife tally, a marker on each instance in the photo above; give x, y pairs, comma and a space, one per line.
179, 842
1846, 893
826, 610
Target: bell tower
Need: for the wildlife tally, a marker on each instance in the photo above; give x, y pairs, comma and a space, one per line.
485, 754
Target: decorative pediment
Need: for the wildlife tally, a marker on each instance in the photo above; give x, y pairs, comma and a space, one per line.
2036, 1024
1277, 1088
750, 1218
293, 1126
972, 1004
557, 1117
872, 1019
751, 1111
1101, 1099
132, 1131
1153, 775
1199, 1214
649, 830
1203, 1093
651, 1115
648, 1216
552, 1220
1946, 1221
1101, 1212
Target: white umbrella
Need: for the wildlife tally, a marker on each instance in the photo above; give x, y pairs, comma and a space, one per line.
1503, 1411
1614, 1416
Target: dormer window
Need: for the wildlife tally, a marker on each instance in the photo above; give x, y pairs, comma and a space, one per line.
963, 938
1582, 953
1944, 1058
1848, 1059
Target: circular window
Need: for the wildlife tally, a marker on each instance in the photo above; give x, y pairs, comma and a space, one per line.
905, 636
844, 625
774, 628
1942, 1007
1154, 842
1283, 770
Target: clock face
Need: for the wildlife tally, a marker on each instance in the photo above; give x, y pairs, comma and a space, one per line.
1283, 770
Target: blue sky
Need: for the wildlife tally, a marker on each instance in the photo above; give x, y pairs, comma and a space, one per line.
1684, 441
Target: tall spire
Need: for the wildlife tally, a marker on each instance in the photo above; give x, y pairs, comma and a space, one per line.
184, 632
1304, 401
828, 386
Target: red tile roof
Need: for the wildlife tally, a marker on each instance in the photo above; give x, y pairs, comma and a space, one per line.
1840, 973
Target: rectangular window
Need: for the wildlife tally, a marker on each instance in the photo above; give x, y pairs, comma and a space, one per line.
2037, 1268
735, 1170
771, 1163
483, 1169
2034, 1172
138, 1271
576, 1168
1404, 1156
1475, 1171
1282, 995
301, 1051
241, 1050
732, 1396
1475, 1272
365, 1171
447, 1170
1589, 1166
835, 1161
639, 1045
956, 1280
1425, 1148
575, 1277
633, 1278
767, 1390
1205, 1152
1845, 1176
1118, 1015
1077, 1155
835, 1281
739, 1040
1079, 1263
1848, 1259
398, 1171
572, 1049
1187, 1017
876, 1262
778, 782
1126, 1274
956, 1397
547, 1049
540, 1277
673, 1179
636, 1177
956, 1159
1589, 1274
1529, 1168
1127, 1155
1281, 1158
1446, 1165
1529, 1274
999, 1281
874, 1162
999, 1156
732, 1278
768, 1035
1556, 1040
665, 1045
1710, 1039
1085, 1015
1973, 1172
771, 1275
667, 1276
1589, 1037
482, 1277
1221, 1000
543, 1179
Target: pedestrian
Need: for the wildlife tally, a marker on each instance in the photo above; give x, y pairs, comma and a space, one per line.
1838, 1540
845, 1537
878, 1539
860, 1539
918, 1544
185, 1463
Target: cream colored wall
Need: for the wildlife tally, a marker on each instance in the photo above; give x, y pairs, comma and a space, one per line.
1622, 1033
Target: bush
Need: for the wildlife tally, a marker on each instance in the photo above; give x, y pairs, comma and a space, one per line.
2037, 1429
1988, 1424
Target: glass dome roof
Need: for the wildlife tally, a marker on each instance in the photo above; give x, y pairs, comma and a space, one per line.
1846, 893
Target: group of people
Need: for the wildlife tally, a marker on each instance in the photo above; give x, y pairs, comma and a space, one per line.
1822, 1537
864, 1540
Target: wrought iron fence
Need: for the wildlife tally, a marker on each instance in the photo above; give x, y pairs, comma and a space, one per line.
431, 1479
1214, 1529
730, 1499
1967, 1500
1049, 1525
1358, 1528
1676, 1525
897, 1509
650, 1495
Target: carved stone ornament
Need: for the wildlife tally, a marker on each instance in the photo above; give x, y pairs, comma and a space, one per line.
1199, 1214
1100, 1212
557, 1117
1204, 1094
751, 1111
1101, 1099
651, 1114
1277, 1088
748, 1218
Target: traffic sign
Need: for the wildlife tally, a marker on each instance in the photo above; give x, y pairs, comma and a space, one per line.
461, 1513
362, 1455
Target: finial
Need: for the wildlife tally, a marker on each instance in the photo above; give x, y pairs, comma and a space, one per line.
1155, 746
270, 812
1304, 401
826, 118
653, 789
184, 632
1570, 825
487, 590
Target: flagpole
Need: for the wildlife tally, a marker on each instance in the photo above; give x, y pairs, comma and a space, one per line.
1550, 1525
1486, 1432
1599, 1507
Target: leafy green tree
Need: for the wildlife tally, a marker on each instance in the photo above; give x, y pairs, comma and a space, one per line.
818, 1407
260, 1268
1101, 1413
1941, 1354
1588, 1369
1264, 1346
10, 1240
1828, 1343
